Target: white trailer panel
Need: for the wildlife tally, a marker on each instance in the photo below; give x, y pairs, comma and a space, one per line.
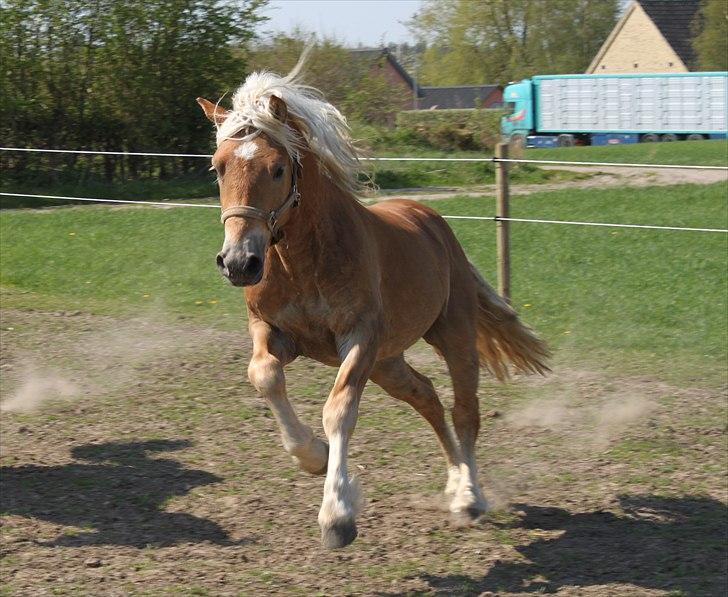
632, 104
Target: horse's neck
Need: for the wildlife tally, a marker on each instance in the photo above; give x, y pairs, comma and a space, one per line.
324, 207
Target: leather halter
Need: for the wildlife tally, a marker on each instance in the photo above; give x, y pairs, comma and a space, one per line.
272, 217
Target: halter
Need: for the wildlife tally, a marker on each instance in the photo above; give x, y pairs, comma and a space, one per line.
272, 217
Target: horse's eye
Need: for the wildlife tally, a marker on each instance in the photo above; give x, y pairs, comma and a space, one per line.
279, 172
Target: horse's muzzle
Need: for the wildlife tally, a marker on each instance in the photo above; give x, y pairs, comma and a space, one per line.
240, 269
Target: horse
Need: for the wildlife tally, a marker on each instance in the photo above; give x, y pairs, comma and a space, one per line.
350, 286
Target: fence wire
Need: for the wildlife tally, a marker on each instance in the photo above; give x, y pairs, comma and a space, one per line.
447, 217
381, 159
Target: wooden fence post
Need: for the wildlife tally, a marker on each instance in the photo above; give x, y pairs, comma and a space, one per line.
502, 227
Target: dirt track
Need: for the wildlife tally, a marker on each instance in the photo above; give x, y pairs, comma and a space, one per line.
160, 472
602, 177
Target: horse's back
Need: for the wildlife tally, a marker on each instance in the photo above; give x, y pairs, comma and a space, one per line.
420, 230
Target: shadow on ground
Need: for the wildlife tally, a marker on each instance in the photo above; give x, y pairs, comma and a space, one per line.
674, 544
118, 495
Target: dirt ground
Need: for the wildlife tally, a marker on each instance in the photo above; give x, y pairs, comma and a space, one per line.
148, 466
601, 177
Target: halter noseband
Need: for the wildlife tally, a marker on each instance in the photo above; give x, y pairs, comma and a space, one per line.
272, 217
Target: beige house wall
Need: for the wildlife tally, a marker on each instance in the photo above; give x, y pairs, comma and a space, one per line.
636, 46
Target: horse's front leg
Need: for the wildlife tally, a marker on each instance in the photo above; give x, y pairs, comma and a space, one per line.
271, 352
337, 516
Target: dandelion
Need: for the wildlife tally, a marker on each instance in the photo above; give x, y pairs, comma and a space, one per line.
71, 234
567, 332
145, 295
212, 302
526, 305
199, 302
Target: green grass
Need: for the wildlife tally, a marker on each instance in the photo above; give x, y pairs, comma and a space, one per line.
189, 187
384, 175
705, 153
398, 175
645, 300
633, 298
116, 260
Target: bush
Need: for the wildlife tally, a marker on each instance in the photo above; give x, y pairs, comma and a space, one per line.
474, 130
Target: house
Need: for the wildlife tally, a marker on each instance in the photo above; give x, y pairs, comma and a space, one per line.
652, 36
385, 64
415, 97
460, 96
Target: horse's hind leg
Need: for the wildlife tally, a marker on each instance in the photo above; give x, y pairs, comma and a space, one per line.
457, 345
401, 381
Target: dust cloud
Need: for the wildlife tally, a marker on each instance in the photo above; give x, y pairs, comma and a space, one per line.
594, 424
37, 387
103, 356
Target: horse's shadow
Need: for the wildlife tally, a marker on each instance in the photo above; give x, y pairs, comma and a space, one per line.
668, 543
116, 496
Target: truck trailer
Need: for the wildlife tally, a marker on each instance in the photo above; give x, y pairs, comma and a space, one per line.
565, 110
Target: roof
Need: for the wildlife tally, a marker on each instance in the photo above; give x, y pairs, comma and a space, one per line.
376, 53
458, 96
674, 19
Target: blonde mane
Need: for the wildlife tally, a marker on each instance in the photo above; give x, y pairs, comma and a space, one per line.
313, 124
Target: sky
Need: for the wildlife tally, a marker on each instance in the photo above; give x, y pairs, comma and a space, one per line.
351, 22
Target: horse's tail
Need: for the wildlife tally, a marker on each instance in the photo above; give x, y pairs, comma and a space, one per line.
503, 338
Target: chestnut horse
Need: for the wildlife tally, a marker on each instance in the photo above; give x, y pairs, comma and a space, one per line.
350, 286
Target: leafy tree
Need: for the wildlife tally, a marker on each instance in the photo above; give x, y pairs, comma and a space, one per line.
112, 75
711, 41
347, 78
494, 41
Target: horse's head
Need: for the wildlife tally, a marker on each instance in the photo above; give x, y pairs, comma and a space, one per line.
257, 180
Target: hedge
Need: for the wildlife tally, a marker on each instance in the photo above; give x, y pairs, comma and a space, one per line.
475, 129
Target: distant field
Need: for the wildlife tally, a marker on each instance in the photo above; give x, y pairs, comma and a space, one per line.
605, 293
705, 153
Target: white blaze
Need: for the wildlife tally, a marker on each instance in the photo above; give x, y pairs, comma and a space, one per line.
246, 150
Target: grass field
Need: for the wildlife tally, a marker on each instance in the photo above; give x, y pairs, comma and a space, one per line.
699, 153
660, 295
150, 467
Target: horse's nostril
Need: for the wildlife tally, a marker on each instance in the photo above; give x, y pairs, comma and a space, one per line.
252, 266
220, 261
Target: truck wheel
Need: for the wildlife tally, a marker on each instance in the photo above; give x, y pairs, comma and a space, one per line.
518, 142
695, 137
649, 138
668, 138
565, 140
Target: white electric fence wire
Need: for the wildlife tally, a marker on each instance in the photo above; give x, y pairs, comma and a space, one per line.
622, 165
447, 217
381, 159
154, 203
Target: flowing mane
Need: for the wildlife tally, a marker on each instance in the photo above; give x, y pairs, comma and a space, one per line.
313, 124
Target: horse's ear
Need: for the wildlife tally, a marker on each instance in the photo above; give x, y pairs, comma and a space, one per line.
278, 108
213, 112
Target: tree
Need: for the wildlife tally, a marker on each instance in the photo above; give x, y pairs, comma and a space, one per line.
495, 41
347, 78
711, 42
112, 75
